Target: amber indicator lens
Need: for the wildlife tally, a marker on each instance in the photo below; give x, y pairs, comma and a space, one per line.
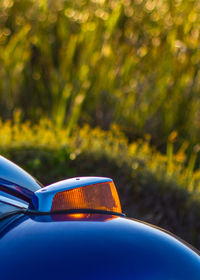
101, 196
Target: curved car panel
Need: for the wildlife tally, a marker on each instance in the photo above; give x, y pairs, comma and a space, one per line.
17, 181
92, 246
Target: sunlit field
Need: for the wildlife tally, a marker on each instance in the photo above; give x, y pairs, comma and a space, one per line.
134, 63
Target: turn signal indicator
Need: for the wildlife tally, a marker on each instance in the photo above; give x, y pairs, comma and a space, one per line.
76, 194
102, 196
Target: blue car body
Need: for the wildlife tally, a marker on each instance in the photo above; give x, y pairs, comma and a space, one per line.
85, 244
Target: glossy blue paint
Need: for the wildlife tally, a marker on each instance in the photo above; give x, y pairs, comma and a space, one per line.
10, 204
42, 199
10, 201
14, 199
15, 179
92, 246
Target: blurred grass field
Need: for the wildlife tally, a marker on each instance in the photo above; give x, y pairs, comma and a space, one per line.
111, 88
134, 63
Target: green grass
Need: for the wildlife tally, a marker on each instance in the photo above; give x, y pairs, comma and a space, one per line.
134, 63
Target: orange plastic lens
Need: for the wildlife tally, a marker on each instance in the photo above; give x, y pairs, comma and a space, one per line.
102, 196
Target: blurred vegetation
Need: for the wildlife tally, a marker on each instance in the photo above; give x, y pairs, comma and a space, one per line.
161, 189
134, 63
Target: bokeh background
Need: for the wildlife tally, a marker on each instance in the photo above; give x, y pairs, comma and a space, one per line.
108, 88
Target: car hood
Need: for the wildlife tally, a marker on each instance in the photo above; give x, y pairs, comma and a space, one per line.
92, 246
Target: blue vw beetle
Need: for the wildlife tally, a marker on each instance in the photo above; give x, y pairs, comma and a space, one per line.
75, 229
